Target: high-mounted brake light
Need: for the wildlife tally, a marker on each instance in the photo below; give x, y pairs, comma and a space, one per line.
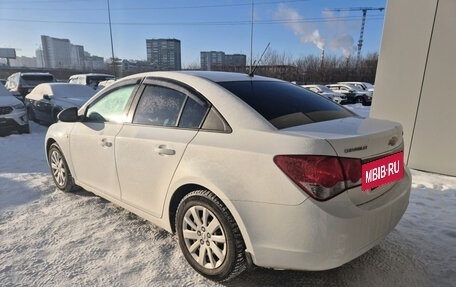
322, 177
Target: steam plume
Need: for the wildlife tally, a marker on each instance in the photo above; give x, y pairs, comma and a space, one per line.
307, 32
337, 35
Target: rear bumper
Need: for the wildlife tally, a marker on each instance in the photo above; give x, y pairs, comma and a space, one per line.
321, 236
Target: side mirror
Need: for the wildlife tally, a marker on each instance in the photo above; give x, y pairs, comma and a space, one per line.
69, 115
46, 97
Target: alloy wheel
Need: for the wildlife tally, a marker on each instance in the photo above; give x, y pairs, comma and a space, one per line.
204, 237
58, 168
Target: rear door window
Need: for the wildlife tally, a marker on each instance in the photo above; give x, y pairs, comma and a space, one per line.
159, 106
164, 106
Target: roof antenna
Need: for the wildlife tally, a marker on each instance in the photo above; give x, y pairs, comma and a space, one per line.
251, 41
252, 72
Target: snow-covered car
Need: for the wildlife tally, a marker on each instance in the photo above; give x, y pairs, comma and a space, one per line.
13, 116
326, 92
365, 86
353, 93
20, 84
246, 170
45, 101
92, 80
103, 84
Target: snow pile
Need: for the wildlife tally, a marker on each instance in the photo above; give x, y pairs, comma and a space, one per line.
51, 238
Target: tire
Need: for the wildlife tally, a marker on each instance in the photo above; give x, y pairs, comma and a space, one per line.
209, 236
359, 100
59, 169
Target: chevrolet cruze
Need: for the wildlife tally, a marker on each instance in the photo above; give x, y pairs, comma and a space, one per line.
247, 170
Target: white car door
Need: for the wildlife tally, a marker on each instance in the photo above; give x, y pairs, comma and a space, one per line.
92, 142
148, 150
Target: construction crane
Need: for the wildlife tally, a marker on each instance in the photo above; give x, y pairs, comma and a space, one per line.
361, 34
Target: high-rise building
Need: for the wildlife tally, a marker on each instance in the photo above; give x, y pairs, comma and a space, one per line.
164, 54
235, 60
217, 60
77, 56
60, 53
211, 59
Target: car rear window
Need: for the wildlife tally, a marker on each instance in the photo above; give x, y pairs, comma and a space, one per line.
286, 105
34, 80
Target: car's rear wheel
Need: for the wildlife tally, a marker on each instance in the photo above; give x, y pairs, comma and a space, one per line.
59, 169
209, 236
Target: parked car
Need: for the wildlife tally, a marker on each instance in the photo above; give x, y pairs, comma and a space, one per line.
45, 101
103, 84
354, 94
92, 80
246, 170
327, 93
367, 87
13, 117
20, 84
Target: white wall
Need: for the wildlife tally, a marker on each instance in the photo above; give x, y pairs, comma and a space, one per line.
414, 82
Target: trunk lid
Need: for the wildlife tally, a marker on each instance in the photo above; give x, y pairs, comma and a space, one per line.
354, 137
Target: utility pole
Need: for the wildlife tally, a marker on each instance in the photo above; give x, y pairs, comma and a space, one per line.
363, 22
251, 40
112, 44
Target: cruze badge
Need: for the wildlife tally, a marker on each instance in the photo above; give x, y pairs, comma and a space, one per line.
358, 148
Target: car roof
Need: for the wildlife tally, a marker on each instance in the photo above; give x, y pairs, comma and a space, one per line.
348, 82
35, 73
313, 85
92, 74
208, 75
64, 89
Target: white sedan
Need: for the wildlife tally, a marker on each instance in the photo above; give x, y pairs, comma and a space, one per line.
324, 91
246, 170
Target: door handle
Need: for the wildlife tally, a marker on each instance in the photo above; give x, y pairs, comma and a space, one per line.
162, 150
106, 143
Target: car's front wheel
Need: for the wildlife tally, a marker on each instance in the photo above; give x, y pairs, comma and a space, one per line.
59, 169
209, 236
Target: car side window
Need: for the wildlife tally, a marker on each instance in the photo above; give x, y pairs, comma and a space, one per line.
111, 107
215, 122
193, 114
164, 106
159, 106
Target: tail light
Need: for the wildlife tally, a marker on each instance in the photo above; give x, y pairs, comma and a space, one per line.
322, 177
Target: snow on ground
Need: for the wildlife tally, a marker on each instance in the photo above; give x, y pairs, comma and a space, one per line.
51, 238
